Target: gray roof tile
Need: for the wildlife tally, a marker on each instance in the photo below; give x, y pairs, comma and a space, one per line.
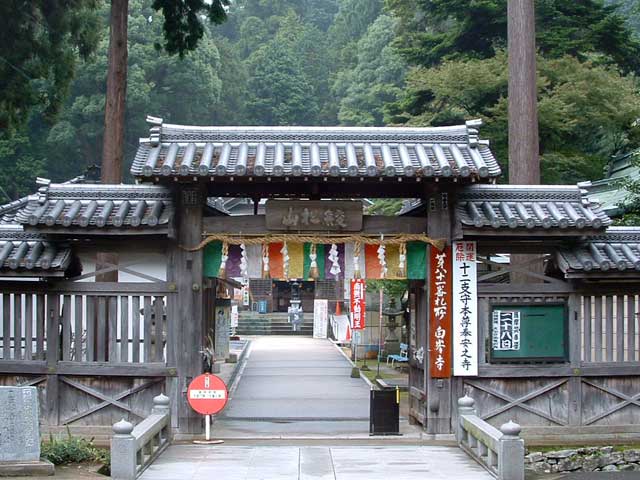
614, 252
96, 206
528, 207
186, 151
20, 251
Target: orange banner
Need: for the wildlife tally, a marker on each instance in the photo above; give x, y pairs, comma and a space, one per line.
440, 328
373, 269
276, 263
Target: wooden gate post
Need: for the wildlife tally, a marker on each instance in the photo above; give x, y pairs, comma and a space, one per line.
185, 307
439, 398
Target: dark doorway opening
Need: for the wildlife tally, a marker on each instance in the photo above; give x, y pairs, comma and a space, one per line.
282, 295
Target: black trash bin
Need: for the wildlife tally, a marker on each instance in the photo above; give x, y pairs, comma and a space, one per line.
384, 412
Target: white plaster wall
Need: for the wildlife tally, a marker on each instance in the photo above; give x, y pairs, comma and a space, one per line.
152, 263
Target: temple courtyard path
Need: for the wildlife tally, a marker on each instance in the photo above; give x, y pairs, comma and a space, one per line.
295, 391
200, 462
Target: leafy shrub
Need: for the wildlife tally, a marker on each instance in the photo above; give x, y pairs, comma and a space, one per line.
73, 450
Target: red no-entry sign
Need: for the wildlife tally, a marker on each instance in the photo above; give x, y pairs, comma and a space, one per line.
207, 394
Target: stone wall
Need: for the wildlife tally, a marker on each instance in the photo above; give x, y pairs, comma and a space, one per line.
586, 459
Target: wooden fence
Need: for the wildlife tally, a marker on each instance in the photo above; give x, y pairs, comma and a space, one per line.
97, 351
595, 392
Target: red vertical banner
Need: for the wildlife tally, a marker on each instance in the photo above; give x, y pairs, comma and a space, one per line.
358, 293
440, 329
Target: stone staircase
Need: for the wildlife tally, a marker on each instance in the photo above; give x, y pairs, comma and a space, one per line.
254, 323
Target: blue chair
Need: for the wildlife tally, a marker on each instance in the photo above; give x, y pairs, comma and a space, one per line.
403, 357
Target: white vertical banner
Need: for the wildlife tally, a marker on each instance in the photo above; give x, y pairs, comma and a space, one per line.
465, 309
320, 318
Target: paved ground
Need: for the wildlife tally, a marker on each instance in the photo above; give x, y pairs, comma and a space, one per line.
295, 386
195, 462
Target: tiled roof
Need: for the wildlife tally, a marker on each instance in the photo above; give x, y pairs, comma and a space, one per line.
528, 207
20, 251
98, 206
9, 211
616, 251
187, 151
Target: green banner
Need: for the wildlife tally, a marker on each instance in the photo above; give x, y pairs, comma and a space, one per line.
416, 260
212, 256
319, 260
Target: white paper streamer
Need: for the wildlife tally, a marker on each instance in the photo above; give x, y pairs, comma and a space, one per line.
244, 265
383, 260
285, 260
334, 258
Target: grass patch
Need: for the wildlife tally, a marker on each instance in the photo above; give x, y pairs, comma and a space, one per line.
75, 450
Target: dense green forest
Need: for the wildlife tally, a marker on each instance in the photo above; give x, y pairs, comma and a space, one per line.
350, 62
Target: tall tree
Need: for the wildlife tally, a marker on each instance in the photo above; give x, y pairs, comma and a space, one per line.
183, 29
524, 161
40, 43
434, 30
116, 95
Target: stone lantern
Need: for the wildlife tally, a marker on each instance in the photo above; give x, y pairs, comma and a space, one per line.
391, 315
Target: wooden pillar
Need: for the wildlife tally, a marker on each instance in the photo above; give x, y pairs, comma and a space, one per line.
438, 414
186, 306
574, 331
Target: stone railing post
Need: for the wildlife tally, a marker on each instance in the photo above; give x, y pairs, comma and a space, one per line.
123, 452
161, 405
511, 454
465, 407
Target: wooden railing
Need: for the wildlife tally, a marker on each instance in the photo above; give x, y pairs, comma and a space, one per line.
501, 452
134, 449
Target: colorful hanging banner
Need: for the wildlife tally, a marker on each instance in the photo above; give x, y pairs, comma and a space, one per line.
416, 260
212, 254
392, 257
276, 264
465, 310
440, 331
320, 261
373, 268
233, 262
358, 307
296, 260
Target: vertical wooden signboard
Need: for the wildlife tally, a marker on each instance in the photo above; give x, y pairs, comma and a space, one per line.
465, 309
440, 331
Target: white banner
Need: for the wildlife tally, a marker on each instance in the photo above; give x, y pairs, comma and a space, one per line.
465, 309
320, 318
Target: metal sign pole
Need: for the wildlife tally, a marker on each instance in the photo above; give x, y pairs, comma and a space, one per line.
207, 427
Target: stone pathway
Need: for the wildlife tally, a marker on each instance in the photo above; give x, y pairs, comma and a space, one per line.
293, 386
199, 462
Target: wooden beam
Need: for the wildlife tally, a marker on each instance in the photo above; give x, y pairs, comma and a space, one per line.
256, 225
